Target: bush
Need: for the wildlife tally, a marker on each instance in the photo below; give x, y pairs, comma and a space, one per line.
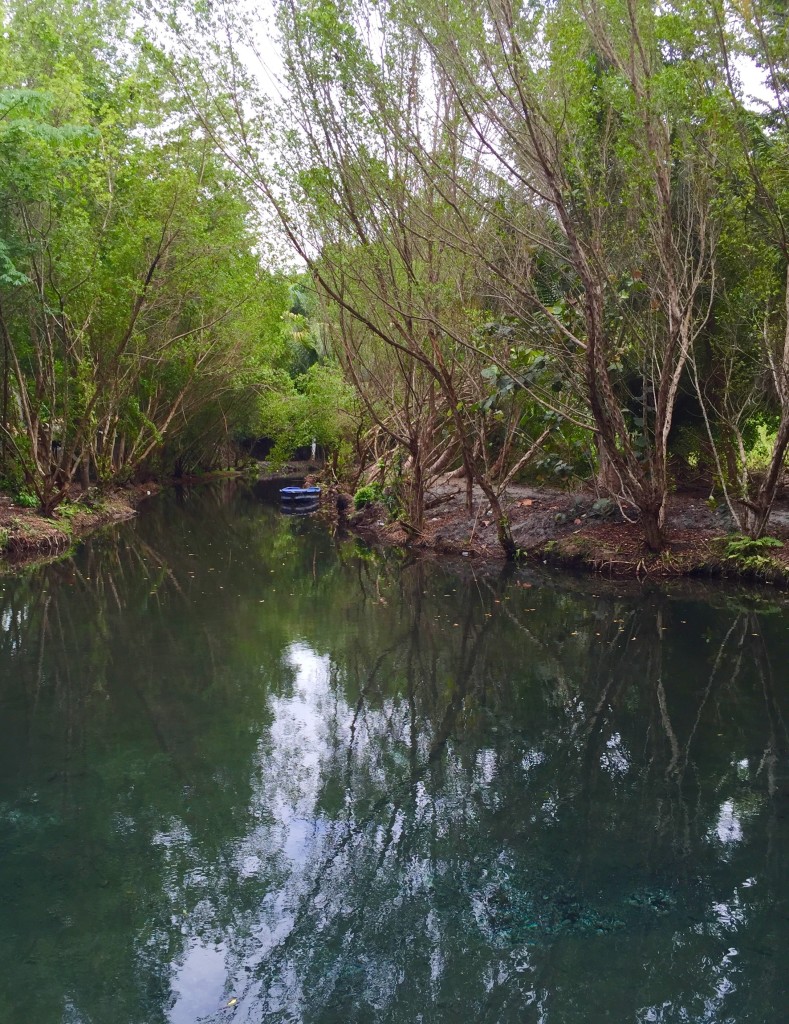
750, 555
743, 547
368, 495
69, 509
761, 449
26, 500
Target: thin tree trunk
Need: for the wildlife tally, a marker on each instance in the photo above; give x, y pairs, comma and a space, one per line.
765, 496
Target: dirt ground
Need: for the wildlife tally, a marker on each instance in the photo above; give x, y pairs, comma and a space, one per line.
549, 525
577, 529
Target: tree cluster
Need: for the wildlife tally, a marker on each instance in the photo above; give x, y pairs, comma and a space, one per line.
140, 330
543, 234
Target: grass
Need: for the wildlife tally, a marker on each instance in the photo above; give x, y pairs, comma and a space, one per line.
70, 509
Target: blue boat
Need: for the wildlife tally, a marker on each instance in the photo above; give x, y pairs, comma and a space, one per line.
299, 493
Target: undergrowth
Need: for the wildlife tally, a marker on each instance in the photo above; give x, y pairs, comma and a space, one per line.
749, 554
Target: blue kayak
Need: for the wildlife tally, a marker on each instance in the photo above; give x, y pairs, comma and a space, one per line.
299, 493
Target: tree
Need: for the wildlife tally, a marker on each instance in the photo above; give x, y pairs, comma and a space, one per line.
359, 202
131, 296
589, 113
751, 340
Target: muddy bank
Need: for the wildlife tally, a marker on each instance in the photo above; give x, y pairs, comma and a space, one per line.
26, 536
584, 532
264, 471
291, 470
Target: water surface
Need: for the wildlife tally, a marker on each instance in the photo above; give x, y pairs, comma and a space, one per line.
251, 773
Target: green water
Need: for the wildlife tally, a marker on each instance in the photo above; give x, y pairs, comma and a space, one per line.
240, 760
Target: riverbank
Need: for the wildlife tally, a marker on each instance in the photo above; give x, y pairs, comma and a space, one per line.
27, 536
571, 530
582, 532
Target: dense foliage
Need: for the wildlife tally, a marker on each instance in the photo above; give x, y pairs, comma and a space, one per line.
139, 328
544, 235
538, 238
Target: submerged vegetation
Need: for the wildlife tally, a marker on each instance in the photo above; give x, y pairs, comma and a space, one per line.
541, 241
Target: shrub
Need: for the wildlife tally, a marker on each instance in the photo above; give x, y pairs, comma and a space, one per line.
69, 509
368, 495
744, 547
26, 500
751, 555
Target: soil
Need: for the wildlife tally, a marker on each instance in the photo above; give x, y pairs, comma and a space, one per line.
27, 536
548, 525
576, 529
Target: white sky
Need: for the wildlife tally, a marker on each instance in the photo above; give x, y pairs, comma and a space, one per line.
753, 81
265, 60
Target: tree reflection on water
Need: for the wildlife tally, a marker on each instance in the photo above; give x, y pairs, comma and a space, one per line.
243, 760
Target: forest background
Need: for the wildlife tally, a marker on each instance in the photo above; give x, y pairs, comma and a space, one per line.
501, 240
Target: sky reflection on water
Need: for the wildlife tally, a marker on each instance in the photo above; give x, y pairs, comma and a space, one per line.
244, 763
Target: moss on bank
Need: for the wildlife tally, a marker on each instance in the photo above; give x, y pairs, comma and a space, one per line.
710, 557
26, 536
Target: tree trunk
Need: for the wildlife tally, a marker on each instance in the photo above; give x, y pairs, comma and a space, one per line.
653, 527
416, 512
6, 370
503, 529
765, 496
504, 535
608, 481
732, 473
